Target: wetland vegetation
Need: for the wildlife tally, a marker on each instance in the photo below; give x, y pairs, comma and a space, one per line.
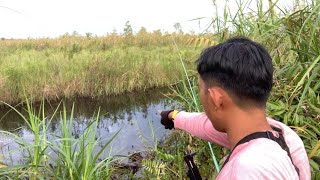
73, 66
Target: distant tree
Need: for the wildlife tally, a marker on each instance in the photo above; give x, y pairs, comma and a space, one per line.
142, 31
75, 33
177, 26
143, 36
192, 32
157, 32
127, 30
88, 34
65, 35
3, 38
114, 31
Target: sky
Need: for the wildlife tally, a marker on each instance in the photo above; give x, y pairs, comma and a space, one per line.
52, 18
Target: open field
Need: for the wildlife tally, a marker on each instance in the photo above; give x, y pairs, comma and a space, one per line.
90, 66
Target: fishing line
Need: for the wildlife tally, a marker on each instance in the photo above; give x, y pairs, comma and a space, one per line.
11, 9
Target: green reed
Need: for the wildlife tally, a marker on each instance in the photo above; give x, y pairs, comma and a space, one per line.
59, 157
292, 38
88, 67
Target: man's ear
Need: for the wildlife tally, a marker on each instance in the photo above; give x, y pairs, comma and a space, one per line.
216, 96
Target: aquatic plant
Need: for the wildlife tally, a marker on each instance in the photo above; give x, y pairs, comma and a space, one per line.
60, 156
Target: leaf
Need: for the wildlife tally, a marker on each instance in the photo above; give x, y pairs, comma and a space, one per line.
314, 165
314, 150
302, 80
165, 156
316, 159
315, 127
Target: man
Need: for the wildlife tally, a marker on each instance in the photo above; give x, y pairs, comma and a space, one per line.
235, 82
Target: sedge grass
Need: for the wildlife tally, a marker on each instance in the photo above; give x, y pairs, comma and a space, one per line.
291, 36
88, 67
59, 157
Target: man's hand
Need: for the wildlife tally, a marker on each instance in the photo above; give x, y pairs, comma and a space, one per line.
166, 119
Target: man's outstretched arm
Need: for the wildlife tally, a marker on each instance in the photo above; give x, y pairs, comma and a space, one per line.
198, 124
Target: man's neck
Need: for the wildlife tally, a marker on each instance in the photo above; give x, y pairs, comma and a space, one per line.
242, 123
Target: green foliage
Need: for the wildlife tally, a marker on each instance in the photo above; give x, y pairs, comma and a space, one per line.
155, 168
79, 66
166, 161
64, 157
292, 38
310, 134
163, 164
127, 31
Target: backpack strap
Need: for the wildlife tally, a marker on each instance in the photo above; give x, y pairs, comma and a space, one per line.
269, 135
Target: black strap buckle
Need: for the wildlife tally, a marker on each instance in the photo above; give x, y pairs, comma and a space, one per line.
270, 135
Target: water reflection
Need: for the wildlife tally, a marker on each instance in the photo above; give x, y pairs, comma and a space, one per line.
131, 112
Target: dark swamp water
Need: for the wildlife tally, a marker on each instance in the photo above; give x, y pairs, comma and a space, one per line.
131, 112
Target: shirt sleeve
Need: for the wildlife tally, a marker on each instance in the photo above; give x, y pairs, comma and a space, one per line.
198, 124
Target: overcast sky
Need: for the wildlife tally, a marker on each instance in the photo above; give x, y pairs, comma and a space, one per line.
52, 18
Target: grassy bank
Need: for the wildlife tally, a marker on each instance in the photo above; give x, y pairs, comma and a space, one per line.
90, 66
292, 38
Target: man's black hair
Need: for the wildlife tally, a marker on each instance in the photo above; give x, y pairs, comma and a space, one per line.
240, 66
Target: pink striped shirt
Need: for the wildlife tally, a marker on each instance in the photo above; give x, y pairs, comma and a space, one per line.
257, 159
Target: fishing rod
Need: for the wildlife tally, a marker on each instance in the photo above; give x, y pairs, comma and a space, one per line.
195, 102
193, 171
